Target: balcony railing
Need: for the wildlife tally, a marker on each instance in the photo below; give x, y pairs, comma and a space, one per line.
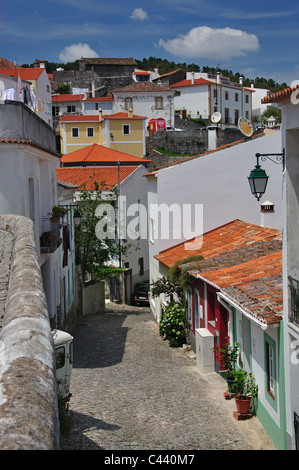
294, 293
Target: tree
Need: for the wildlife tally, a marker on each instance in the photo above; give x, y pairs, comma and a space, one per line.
97, 245
64, 89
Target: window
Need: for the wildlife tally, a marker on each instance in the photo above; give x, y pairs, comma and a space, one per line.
159, 102
247, 114
226, 95
196, 309
236, 96
71, 109
75, 131
126, 129
247, 99
128, 104
189, 303
55, 110
226, 115
140, 266
270, 370
90, 132
236, 116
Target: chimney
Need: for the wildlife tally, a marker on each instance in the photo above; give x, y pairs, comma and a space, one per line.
218, 78
192, 78
100, 114
130, 113
267, 214
241, 80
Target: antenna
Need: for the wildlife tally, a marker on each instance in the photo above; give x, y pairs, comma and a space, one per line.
245, 126
216, 117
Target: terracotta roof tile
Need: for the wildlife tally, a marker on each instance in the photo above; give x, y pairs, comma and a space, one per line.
84, 177
24, 73
99, 154
67, 97
280, 95
225, 239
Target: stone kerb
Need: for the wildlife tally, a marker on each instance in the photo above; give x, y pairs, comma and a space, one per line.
28, 399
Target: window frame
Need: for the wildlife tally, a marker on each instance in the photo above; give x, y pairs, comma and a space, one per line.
129, 129
159, 99
128, 103
87, 129
270, 371
72, 131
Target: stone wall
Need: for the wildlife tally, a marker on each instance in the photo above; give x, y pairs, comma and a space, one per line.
192, 140
28, 400
84, 79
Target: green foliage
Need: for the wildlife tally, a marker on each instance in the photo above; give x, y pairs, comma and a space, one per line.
244, 384
272, 111
178, 274
173, 324
64, 89
165, 286
228, 356
93, 253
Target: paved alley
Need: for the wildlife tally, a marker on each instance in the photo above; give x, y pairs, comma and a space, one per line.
132, 391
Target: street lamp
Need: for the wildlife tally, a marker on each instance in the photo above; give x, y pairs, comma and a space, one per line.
258, 178
77, 217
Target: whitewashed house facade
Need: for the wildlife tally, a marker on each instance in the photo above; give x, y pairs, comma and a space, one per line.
201, 95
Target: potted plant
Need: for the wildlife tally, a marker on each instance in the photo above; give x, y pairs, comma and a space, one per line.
246, 388
57, 212
228, 356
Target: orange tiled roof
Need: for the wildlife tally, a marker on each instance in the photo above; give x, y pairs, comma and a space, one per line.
79, 118
243, 261
256, 286
67, 97
188, 82
100, 98
25, 74
228, 237
5, 64
123, 116
84, 177
99, 154
280, 95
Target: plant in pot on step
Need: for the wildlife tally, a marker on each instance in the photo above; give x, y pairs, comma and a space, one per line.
228, 356
246, 388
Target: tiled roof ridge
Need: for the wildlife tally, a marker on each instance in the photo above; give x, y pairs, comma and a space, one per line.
279, 95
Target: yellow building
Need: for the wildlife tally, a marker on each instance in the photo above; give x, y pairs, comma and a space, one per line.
124, 132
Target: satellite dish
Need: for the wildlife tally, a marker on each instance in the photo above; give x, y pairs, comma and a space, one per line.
245, 127
216, 117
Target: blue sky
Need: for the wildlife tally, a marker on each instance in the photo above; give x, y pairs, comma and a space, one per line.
254, 38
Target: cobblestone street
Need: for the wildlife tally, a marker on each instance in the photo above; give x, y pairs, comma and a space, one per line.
132, 391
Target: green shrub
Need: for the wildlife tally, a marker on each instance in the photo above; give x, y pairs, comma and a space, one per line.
173, 325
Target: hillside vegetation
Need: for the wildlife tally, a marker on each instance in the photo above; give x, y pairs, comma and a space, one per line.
165, 66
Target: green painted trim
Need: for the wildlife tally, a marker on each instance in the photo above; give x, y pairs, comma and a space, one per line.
282, 385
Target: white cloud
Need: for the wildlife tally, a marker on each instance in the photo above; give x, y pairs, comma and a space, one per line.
76, 51
211, 43
139, 14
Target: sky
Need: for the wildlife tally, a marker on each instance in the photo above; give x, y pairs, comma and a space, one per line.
256, 39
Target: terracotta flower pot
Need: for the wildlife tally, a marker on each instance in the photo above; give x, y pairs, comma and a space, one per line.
243, 403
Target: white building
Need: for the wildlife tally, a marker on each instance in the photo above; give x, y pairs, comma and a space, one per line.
41, 87
28, 184
214, 183
288, 101
202, 94
146, 99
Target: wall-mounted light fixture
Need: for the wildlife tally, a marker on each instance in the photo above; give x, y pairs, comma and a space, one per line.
258, 178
